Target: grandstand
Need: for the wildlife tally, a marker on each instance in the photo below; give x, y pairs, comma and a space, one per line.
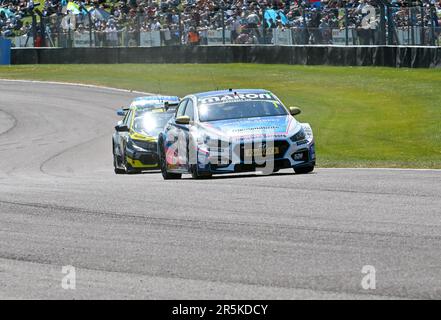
55, 23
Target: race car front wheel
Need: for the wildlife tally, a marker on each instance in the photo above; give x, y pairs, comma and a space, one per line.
130, 169
197, 175
165, 174
194, 170
119, 171
116, 168
303, 170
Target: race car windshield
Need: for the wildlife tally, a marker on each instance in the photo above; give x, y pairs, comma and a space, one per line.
148, 106
240, 109
151, 123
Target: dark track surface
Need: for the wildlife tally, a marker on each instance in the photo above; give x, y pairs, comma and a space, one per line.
281, 236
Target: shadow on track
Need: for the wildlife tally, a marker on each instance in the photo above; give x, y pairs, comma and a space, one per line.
248, 175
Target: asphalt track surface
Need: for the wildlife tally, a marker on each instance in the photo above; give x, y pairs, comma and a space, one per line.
283, 236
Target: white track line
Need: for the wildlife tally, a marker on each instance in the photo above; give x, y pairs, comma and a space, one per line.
78, 85
148, 93
381, 169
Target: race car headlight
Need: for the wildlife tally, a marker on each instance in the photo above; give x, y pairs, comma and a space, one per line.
138, 148
300, 135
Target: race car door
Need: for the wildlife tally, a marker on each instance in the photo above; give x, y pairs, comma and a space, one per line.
189, 111
176, 140
181, 135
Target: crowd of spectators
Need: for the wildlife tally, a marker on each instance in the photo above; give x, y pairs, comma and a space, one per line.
12, 13
189, 21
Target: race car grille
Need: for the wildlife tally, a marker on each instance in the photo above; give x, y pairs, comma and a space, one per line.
280, 145
278, 164
220, 153
151, 158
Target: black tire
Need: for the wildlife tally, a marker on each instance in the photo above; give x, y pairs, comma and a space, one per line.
162, 162
128, 168
116, 168
303, 170
131, 170
119, 171
196, 175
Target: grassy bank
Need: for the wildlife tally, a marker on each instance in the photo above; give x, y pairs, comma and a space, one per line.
375, 117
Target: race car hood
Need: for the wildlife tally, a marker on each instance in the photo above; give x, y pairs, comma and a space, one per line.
153, 133
279, 126
137, 136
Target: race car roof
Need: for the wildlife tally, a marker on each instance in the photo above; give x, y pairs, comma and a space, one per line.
154, 101
224, 92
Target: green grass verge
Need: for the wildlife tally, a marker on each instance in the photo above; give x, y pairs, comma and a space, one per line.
361, 116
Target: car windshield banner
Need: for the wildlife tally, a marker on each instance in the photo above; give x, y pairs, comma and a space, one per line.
236, 97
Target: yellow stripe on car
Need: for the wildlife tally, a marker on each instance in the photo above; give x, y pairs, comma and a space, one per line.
138, 164
136, 136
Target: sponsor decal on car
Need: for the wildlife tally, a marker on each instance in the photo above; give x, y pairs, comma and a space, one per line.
236, 97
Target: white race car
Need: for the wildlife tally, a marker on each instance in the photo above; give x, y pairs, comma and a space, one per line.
234, 131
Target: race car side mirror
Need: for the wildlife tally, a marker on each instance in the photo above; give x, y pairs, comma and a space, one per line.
294, 111
120, 112
122, 128
183, 120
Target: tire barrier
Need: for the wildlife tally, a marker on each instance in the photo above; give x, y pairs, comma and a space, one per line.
388, 56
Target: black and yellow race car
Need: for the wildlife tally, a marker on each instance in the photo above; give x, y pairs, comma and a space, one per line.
135, 138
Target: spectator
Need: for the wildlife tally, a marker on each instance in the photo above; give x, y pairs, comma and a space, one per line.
325, 31
246, 37
111, 35
193, 36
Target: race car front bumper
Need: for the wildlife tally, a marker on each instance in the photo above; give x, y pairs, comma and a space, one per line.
230, 160
144, 160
